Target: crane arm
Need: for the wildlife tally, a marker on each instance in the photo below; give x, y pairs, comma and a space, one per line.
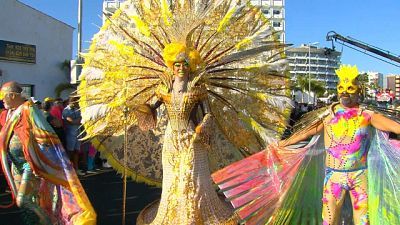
333, 36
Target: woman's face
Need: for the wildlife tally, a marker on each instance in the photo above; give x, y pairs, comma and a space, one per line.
181, 69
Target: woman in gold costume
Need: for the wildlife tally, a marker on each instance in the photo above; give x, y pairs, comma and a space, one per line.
188, 196
198, 84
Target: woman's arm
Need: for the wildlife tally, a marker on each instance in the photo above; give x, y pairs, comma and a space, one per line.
146, 115
205, 123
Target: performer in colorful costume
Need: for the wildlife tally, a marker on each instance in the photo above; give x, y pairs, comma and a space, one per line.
41, 178
187, 84
278, 186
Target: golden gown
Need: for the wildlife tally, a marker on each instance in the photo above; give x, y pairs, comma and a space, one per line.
188, 196
242, 74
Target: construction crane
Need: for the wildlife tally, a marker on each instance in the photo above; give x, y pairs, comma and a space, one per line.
347, 41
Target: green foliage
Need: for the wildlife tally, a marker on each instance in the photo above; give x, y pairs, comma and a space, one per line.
62, 87
301, 83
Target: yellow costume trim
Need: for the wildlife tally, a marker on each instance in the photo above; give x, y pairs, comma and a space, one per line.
119, 168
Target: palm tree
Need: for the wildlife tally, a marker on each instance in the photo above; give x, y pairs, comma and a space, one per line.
301, 83
318, 88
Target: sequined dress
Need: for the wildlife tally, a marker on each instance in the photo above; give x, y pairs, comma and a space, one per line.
188, 196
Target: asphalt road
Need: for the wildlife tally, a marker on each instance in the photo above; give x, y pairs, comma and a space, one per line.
104, 190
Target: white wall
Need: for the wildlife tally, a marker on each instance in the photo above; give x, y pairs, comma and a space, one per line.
53, 39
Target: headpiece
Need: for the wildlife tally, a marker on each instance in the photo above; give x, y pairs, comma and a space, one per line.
178, 52
347, 79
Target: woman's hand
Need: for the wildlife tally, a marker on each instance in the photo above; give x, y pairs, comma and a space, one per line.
203, 130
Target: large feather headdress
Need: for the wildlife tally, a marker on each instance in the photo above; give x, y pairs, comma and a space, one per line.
239, 62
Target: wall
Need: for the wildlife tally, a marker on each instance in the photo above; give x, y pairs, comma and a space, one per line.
52, 38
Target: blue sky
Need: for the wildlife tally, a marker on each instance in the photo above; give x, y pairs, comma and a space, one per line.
307, 21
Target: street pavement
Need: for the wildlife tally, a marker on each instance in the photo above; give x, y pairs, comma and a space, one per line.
104, 190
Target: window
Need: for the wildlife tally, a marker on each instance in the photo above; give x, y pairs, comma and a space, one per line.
265, 11
276, 12
276, 24
27, 90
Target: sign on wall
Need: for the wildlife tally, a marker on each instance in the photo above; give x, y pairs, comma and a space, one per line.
17, 52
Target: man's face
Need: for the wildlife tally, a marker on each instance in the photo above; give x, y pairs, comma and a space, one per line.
181, 69
348, 93
8, 97
73, 103
6, 100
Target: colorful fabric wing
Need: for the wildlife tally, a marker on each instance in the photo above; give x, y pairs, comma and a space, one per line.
259, 185
242, 66
47, 158
383, 180
279, 185
284, 186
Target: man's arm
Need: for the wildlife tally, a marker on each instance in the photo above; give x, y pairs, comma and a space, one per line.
67, 115
73, 121
303, 134
383, 123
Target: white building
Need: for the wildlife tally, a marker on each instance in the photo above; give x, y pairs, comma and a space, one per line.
33, 48
393, 83
375, 78
317, 63
109, 7
274, 10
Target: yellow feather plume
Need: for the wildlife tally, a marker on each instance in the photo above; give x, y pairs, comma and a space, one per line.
224, 22
166, 13
347, 73
141, 26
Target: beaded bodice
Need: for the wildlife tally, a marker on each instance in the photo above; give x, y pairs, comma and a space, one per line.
347, 138
179, 108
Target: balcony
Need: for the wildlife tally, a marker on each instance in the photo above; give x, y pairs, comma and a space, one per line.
278, 3
111, 5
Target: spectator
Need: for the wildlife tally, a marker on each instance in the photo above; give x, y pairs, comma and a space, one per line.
72, 120
54, 122
57, 109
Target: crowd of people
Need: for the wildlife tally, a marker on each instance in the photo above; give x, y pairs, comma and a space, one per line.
65, 119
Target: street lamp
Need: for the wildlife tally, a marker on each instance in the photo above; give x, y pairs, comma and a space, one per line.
309, 68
